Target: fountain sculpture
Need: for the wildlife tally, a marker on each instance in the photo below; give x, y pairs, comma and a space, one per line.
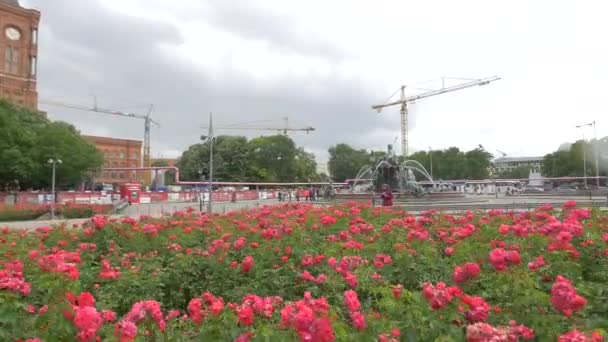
399, 177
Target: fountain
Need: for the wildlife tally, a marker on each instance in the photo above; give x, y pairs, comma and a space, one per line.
399, 177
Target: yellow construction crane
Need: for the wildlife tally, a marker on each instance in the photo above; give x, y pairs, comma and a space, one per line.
148, 121
284, 130
404, 100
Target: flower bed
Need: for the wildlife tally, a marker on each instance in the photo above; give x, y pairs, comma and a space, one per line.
295, 272
22, 212
26, 212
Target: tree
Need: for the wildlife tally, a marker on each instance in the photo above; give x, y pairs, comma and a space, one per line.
29, 140
273, 158
263, 159
345, 161
453, 163
478, 163
306, 167
231, 160
60, 140
566, 163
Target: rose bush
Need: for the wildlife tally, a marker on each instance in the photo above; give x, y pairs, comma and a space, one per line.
295, 272
24, 212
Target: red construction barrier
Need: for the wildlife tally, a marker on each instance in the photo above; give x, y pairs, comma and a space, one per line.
102, 197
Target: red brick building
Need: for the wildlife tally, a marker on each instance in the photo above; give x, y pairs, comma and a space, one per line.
19, 45
118, 153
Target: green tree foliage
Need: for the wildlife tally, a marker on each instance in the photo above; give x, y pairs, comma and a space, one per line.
452, 163
270, 158
28, 140
345, 161
568, 163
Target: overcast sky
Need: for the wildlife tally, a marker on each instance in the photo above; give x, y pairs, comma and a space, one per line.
323, 63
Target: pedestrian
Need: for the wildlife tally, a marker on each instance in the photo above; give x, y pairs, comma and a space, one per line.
280, 195
298, 195
387, 196
307, 195
233, 199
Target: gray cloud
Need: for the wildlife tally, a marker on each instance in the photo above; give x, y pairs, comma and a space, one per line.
88, 49
249, 21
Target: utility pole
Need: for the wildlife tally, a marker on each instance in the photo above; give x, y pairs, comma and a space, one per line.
597, 157
404, 124
200, 191
209, 204
54, 163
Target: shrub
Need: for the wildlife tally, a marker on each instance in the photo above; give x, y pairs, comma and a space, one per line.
287, 273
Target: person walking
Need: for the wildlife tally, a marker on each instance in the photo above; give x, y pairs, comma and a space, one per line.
387, 196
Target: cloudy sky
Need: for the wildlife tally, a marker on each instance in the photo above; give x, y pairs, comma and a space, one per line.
323, 63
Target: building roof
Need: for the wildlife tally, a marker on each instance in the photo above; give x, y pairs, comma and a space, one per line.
517, 159
109, 140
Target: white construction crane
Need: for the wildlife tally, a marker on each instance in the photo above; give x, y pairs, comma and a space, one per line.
404, 100
146, 117
284, 130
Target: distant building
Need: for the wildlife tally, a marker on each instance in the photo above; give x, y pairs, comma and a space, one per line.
505, 164
118, 153
19, 43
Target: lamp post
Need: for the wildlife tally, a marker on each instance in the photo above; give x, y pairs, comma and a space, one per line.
200, 190
54, 163
585, 155
210, 139
597, 157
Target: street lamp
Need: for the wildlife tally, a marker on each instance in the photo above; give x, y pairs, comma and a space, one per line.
210, 139
431, 157
54, 163
200, 189
597, 168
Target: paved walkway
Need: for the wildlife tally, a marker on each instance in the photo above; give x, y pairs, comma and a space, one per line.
160, 209
136, 210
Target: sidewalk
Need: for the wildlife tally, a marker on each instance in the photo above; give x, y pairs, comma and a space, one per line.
136, 210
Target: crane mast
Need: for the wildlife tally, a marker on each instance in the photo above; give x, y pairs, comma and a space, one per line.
404, 100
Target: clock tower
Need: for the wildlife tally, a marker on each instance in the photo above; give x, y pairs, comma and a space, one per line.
19, 46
